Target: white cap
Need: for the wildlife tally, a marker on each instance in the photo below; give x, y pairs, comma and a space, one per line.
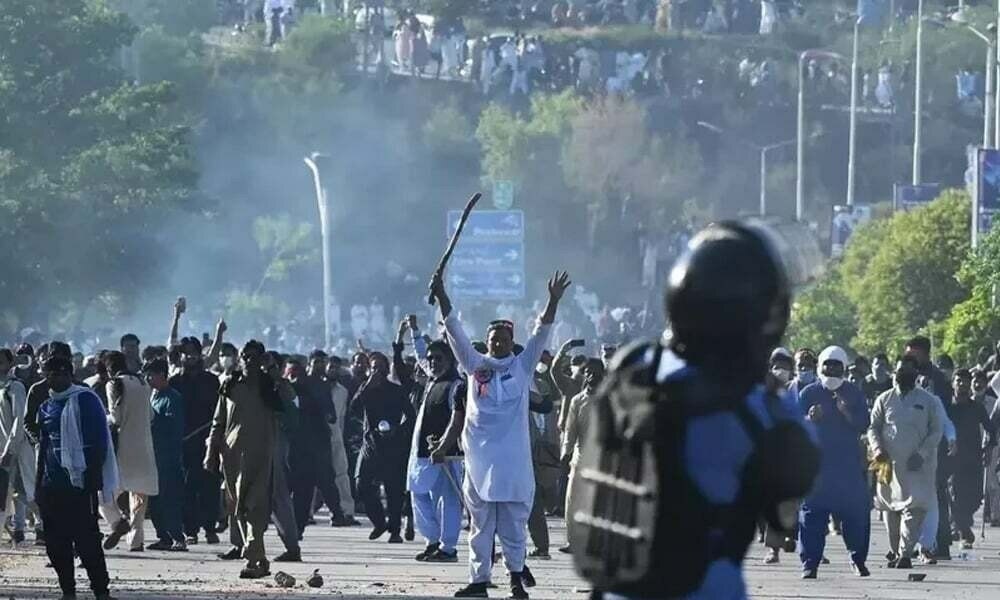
833, 353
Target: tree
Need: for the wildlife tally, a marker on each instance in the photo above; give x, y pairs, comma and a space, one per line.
822, 316
87, 161
910, 280
975, 322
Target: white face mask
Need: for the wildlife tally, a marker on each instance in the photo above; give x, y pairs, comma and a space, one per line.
542, 368
228, 363
831, 383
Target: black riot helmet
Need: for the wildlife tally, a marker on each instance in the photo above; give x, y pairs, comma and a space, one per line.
728, 301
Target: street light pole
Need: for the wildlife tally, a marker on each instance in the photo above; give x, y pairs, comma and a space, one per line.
918, 94
800, 139
852, 143
324, 222
996, 80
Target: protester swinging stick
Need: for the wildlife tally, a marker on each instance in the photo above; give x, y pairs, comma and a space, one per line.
454, 240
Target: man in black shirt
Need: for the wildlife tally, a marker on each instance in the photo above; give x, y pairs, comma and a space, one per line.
312, 454
385, 410
200, 391
970, 420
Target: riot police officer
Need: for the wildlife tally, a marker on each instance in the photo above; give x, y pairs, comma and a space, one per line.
694, 443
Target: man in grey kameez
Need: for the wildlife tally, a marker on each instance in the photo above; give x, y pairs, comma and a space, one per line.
904, 435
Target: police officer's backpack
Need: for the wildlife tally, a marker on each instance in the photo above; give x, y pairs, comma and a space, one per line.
639, 523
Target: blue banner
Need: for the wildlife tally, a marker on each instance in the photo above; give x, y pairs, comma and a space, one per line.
488, 263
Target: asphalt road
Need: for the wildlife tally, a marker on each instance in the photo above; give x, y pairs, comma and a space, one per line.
355, 568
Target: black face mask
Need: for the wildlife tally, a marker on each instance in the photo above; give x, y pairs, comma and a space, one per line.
906, 378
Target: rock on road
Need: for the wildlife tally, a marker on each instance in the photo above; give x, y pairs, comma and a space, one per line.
355, 568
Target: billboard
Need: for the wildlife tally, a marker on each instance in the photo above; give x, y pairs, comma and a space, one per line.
908, 197
987, 189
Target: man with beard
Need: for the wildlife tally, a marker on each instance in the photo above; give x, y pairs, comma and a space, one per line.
500, 485
167, 507
199, 390
385, 410
241, 443
839, 412
431, 477
970, 420
904, 435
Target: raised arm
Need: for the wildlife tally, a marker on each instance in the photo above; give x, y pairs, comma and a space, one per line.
213, 354
419, 344
174, 337
460, 344
536, 345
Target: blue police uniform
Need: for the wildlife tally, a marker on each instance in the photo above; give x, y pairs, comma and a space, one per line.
841, 488
717, 449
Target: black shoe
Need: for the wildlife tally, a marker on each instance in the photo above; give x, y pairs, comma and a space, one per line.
289, 556
861, 570
566, 549
891, 556
788, 545
161, 545
192, 540
408, 534
809, 574
903, 563
233, 554
927, 557
256, 571
395, 538
540, 554
344, 521
517, 591
528, 578
473, 590
211, 538
440, 556
429, 550
824, 561
116, 535
17, 536
377, 532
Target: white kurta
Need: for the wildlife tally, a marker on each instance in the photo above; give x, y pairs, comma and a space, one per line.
132, 413
496, 440
13, 409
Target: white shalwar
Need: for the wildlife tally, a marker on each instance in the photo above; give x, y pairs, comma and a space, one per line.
500, 482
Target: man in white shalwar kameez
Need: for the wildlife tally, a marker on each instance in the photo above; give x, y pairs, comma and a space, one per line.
500, 484
17, 455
